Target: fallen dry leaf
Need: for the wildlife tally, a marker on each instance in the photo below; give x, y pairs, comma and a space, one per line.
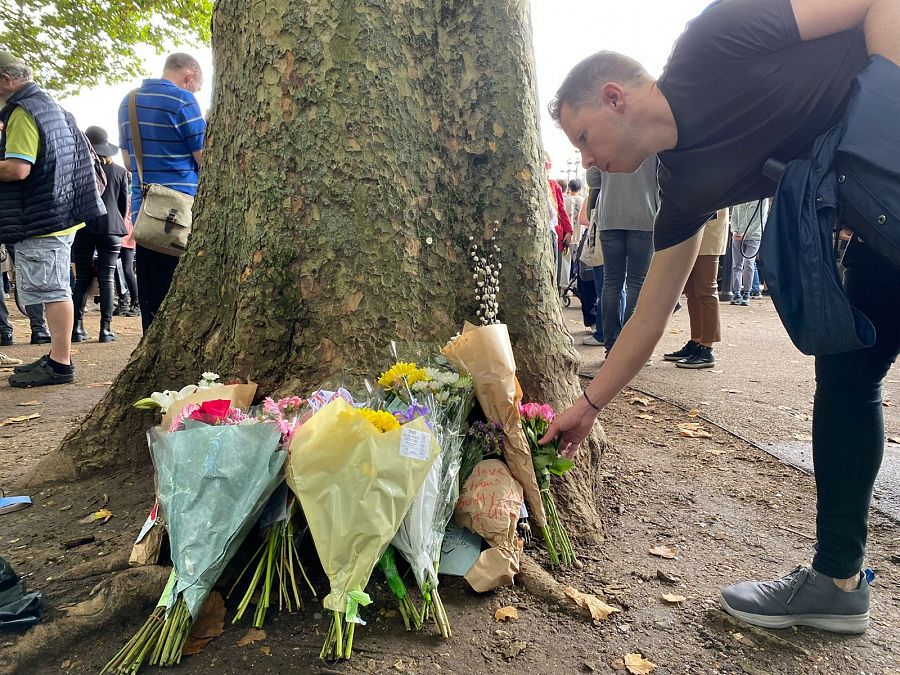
673, 598
887, 404
599, 610
692, 430
802, 437
507, 614
693, 412
515, 649
266, 651
17, 420
102, 515
29, 403
676, 331
209, 624
894, 439
638, 665
640, 400
664, 551
644, 416
251, 636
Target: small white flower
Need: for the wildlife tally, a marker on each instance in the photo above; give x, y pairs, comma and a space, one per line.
212, 377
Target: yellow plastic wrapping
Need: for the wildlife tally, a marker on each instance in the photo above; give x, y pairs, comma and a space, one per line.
355, 485
485, 352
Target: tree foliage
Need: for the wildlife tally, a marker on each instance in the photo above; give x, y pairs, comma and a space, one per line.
77, 44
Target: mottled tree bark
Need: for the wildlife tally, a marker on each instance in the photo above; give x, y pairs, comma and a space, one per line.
353, 147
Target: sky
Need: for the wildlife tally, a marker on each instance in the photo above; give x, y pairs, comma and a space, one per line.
565, 31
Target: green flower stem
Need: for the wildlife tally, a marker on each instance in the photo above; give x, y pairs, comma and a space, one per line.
548, 542
348, 649
131, 656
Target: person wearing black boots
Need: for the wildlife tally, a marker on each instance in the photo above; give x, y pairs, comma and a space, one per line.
103, 235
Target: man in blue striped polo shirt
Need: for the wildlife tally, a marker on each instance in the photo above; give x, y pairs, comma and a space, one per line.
172, 130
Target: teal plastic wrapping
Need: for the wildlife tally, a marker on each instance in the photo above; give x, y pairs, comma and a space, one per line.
212, 483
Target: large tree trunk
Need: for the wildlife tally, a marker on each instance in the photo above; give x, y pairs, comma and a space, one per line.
353, 148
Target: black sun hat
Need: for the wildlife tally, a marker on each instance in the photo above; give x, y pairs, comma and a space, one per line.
100, 140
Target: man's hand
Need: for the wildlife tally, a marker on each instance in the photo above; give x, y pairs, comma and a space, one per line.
571, 426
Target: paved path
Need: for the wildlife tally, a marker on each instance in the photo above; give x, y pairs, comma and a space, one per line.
761, 387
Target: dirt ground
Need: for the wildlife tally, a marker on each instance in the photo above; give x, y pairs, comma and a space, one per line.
731, 511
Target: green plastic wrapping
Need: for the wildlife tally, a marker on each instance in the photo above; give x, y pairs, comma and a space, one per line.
212, 483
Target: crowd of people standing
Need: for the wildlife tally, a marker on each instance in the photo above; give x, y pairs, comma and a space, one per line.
65, 203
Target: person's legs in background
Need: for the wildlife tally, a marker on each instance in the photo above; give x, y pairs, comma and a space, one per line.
6, 329
108, 246
83, 257
588, 295
638, 254
596, 340
749, 250
126, 258
613, 243
703, 308
737, 270
154, 276
42, 276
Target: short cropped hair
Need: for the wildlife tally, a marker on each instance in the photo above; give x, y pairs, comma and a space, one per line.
575, 185
582, 81
17, 70
182, 61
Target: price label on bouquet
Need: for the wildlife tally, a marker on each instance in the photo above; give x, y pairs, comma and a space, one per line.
415, 444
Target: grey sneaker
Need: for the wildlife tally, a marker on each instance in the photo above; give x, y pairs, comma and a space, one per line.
802, 598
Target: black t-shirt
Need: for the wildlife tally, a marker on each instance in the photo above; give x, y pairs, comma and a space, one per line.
744, 88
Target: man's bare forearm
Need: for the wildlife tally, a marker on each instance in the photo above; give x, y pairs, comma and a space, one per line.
14, 169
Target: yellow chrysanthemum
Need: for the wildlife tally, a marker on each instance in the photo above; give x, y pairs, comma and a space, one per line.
381, 420
400, 371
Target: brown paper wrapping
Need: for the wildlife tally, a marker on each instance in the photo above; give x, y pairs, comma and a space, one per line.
489, 505
146, 551
485, 352
240, 396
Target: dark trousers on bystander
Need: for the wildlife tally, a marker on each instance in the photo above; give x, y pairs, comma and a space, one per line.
154, 276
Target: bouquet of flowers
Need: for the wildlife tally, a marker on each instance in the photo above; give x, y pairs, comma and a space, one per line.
277, 560
548, 462
485, 352
355, 471
444, 398
214, 473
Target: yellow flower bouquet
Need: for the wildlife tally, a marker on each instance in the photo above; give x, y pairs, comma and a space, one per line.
355, 472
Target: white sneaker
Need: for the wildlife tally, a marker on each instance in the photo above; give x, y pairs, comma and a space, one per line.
591, 341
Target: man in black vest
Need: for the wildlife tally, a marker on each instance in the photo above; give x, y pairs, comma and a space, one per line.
47, 190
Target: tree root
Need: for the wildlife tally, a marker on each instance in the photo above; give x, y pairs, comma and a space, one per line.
116, 562
539, 583
763, 634
112, 601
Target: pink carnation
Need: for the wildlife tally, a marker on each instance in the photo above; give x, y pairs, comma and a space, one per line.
547, 412
529, 410
188, 410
